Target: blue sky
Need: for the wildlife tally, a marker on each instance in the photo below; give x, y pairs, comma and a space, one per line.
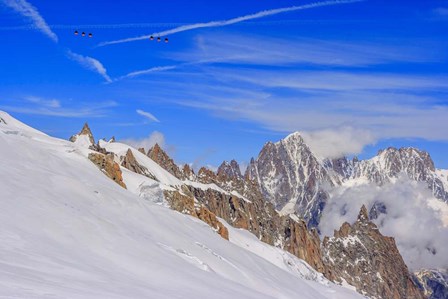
353, 77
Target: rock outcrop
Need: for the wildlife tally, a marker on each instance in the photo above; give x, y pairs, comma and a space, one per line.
185, 204
129, 162
160, 157
434, 283
84, 137
107, 165
292, 178
369, 261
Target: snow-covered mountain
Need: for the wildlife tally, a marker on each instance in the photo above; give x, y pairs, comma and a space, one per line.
297, 181
68, 231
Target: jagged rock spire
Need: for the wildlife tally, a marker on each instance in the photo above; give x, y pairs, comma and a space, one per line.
363, 215
85, 131
230, 170
158, 155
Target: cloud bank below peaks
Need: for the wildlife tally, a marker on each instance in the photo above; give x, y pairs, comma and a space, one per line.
411, 217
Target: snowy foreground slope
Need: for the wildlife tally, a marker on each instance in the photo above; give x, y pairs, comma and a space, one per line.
67, 231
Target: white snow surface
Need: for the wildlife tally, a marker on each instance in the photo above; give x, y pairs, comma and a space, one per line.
67, 231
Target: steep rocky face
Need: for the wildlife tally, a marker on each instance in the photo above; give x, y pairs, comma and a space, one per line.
206, 176
247, 209
292, 178
107, 164
229, 170
129, 162
160, 157
84, 137
2, 121
371, 262
188, 173
434, 283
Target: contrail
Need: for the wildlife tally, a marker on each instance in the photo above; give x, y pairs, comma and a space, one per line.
257, 15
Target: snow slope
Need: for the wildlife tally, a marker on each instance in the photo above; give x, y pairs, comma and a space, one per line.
67, 231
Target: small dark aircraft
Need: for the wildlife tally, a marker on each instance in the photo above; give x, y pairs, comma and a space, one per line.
166, 39
151, 37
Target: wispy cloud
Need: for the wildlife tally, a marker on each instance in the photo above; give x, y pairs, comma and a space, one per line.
291, 51
222, 23
441, 11
27, 10
148, 71
147, 115
90, 63
48, 103
386, 105
34, 105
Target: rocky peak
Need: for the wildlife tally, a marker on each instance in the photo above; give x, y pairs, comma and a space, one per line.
292, 178
369, 261
392, 162
84, 137
230, 170
130, 162
158, 155
434, 283
188, 173
363, 215
408, 159
206, 176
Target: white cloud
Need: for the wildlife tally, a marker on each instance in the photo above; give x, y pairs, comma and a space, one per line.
51, 103
147, 115
338, 142
34, 105
27, 10
148, 71
257, 15
419, 230
441, 11
285, 51
147, 142
90, 63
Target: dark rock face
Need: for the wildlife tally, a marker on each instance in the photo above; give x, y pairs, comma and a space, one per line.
247, 209
160, 157
292, 178
230, 170
366, 259
2, 121
434, 283
131, 163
